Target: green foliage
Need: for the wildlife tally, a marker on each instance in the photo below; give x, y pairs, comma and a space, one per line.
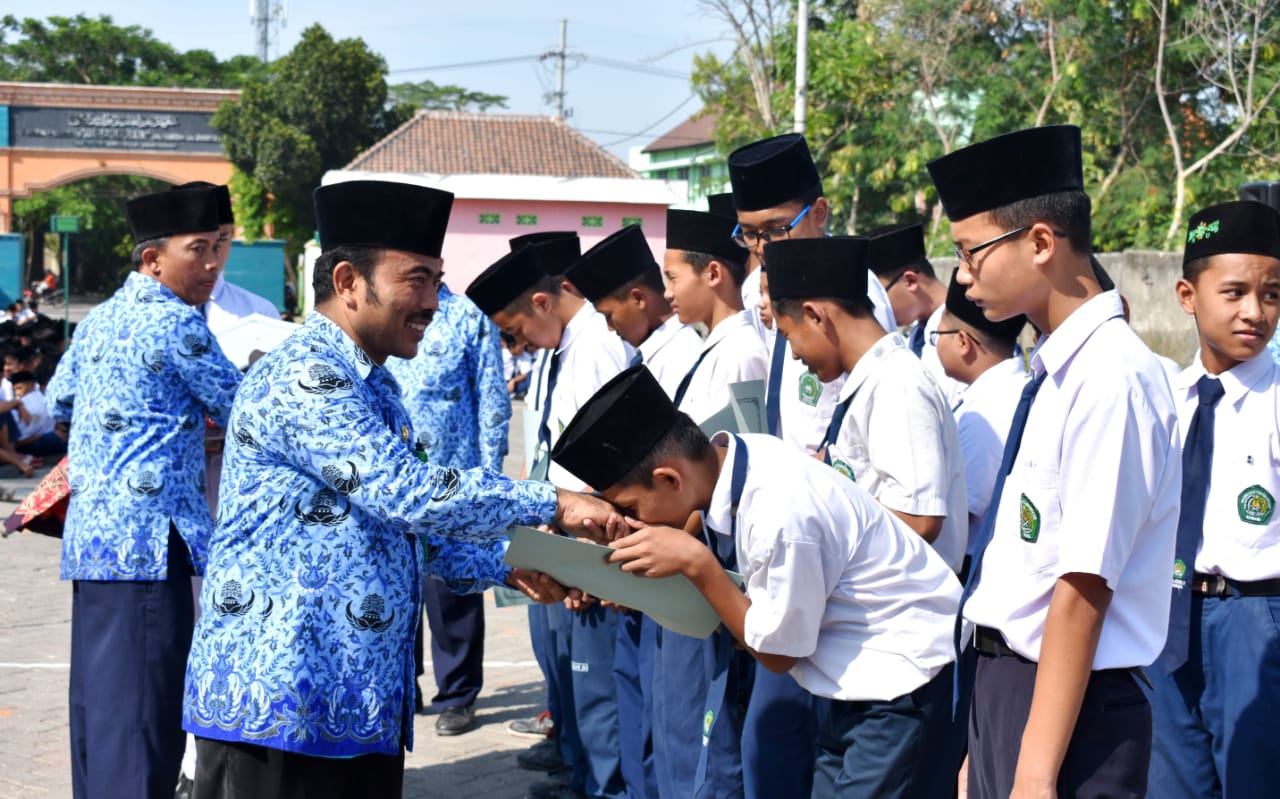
315, 110
430, 96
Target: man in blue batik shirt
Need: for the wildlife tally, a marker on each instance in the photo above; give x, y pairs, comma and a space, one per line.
300, 680
137, 382
456, 394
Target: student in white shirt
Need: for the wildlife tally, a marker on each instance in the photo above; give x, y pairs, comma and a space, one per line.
892, 431
979, 354
1216, 687
33, 425
897, 257
525, 294
1069, 585
838, 593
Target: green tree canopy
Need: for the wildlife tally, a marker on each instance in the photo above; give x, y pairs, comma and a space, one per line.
430, 96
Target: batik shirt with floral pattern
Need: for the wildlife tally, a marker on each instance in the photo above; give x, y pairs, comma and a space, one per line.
312, 595
137, 382
455, 388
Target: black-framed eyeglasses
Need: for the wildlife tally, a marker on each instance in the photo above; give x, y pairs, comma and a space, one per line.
966, 256
934, 335
895, 280
750, 238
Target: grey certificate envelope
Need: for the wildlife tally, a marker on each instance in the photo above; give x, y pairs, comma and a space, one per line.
743, 414
673, 602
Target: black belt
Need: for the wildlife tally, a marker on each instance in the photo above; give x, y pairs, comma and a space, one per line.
990, 642
1216, 585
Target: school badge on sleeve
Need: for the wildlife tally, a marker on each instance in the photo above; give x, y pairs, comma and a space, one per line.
810, 389
1028, 521
1255, 505
1179, 575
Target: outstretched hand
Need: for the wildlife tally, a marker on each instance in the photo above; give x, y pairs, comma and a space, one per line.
659, 551
539, 587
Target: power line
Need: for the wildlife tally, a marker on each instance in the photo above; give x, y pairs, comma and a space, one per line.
465, 64
629, 66
653, 124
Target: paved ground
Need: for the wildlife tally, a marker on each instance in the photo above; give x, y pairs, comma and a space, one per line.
35, 615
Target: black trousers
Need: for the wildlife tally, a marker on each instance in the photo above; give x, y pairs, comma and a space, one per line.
1110, 748
129, 644
226, 770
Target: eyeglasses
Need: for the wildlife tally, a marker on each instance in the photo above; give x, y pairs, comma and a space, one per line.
894, 282
934, 335
966, 256
750, 238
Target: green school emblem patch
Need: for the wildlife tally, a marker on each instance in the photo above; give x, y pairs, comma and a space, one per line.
1255, 505
1179, 574
810, 388
1029, 521
707, 720
843, 468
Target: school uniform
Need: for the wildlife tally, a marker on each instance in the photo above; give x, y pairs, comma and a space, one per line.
920, 334
1214, 716
1093, 489
670, 352
983, 416
731, 353
898, 441
863, 603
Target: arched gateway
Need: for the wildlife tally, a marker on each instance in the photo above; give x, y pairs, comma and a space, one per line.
54, 133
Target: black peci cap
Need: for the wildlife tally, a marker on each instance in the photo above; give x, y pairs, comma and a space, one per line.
505, 280
616, 429
382, 214
710, 234
964, 309
893, 247
172, 213
772, 172
1243, 226
1001, 171
556, 249
722, 205
612, 263
223, 195
833, 267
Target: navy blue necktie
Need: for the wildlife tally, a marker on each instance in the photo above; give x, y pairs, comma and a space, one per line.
773, 394
833, 429
1197, 457
1011, 445
917, 340
688, 377
636, 359
541, 457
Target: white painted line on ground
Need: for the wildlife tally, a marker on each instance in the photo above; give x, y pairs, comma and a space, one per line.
35, 665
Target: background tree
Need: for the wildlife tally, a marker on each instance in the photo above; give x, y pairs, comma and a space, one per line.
430, 96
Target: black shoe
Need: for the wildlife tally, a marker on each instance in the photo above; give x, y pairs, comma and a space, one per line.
542, 756
456, 720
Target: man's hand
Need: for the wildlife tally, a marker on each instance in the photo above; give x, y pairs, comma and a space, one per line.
660, 552
537, 586
586, 516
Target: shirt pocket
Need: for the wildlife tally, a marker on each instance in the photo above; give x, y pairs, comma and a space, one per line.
1252, 492
1032, 499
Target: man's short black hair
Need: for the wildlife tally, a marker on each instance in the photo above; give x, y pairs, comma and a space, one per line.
701, 260
23, 376
649, 278
159, 243
793, 307
364, 259
1066, 211
684, 440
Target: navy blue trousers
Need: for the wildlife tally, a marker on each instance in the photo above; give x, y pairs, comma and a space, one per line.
559, 643
906, 748
456, 622
1109, 751
1214, 719
593, 642
129, 645
779, 737
633, 678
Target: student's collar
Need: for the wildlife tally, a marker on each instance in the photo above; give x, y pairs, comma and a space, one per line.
576, 325
1006, 369
719, 514
1055, 351
727, 325
1236, 381
870, 361
660, 337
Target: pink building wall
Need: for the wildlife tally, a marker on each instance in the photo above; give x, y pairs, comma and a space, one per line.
472, 245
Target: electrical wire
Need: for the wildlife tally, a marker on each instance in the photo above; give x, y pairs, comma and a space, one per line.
653, 124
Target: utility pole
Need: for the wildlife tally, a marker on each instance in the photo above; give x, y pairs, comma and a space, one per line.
802, 65
263, 14
561, 56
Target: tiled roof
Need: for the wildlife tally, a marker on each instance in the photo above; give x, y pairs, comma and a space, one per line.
461, 143
689, 133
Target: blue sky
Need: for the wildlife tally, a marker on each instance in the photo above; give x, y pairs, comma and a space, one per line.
608, 104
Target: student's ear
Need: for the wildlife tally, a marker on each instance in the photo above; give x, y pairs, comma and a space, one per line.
812, 312
637, 296
1186, 293
668, 478
715, 273
820, 211
910, 280
1045, 244
541, 301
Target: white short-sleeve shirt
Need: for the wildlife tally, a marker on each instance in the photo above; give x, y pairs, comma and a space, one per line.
1095, 489
670, 352
1241, 526
834, 579
899, 442
983, 417
805, 403
230, 303
952, 389
735, 354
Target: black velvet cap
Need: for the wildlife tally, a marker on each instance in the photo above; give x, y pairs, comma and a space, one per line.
772, 172
964, 309
1000, 171
556, 249
617, 260
505, 280
225, 215
696, 231
893, 247
832, 267
382, 214
616, 429
1244, 226
172, 213
722, 205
